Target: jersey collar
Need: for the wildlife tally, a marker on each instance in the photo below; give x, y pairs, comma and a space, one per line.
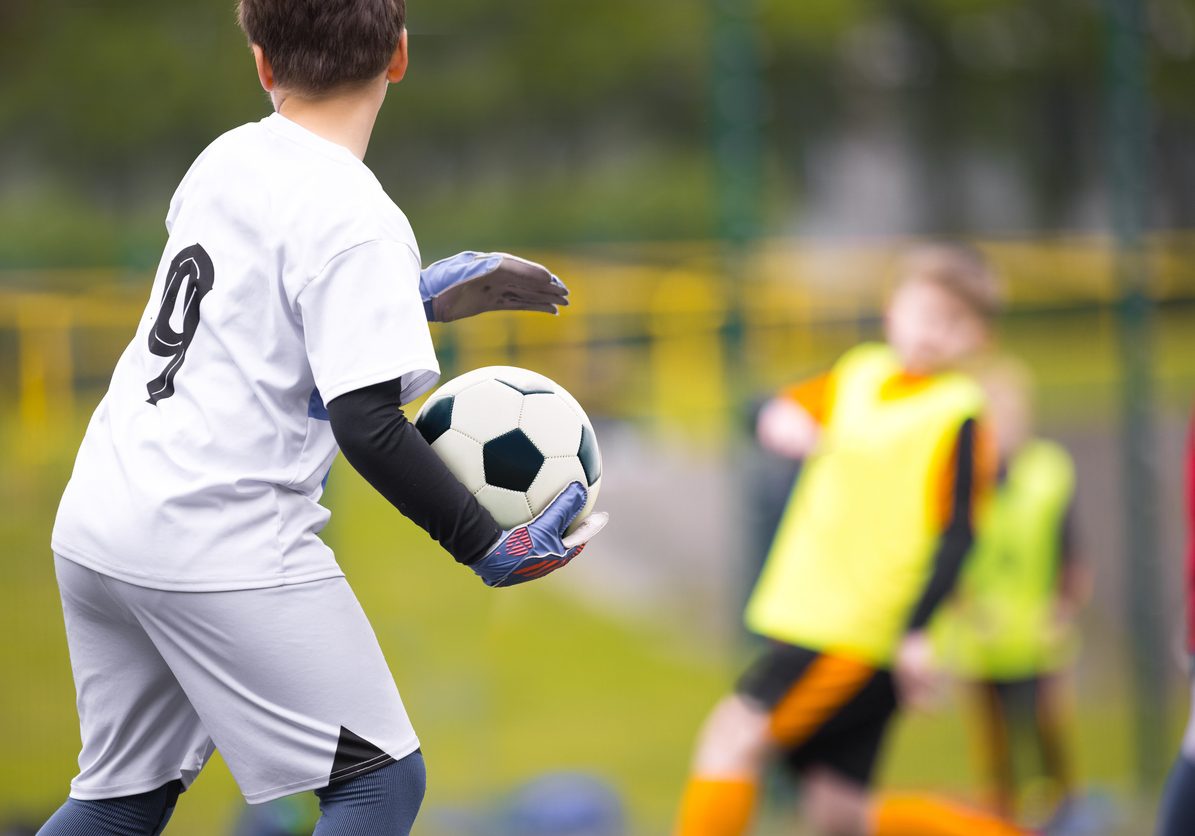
279, 124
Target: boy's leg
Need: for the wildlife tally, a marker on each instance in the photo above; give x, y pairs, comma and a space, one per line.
914, 814
907, 814
720, 795
844, 709
142, 740
841, 803
289, 682
1176, 817
383, 802
1021, 699
995, 747
834, 803
1050, 717
837, 804
782, 702
145, 814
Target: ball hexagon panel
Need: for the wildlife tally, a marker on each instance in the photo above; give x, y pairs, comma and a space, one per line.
463, 457
435, 418
486, 410
553, 477
509, 508
511, 461
590, 456
551, 424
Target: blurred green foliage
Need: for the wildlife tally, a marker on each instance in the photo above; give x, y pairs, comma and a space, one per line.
559, 122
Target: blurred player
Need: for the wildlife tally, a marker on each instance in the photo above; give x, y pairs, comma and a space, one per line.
288, 316
1177, 815
872, 541
1010, 629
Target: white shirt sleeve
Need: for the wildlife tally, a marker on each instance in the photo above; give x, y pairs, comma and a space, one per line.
364, 323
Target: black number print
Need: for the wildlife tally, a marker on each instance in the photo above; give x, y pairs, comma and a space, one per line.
193, 268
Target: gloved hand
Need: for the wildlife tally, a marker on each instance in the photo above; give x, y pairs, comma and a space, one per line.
540, 547
470, 283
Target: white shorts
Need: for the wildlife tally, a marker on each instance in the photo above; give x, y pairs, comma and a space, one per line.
289, 683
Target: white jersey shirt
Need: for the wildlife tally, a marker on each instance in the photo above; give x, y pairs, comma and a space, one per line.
290, 278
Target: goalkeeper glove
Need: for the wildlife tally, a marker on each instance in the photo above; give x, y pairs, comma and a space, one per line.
540, 547
470, 283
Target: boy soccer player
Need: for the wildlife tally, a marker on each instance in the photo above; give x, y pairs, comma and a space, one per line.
870, 544
1177, 814
1010, 631
287, 317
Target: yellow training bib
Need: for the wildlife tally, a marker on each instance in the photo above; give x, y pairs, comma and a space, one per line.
1001, 624
853, 551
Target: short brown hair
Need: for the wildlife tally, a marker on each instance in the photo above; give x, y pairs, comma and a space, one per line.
959, 268
316, 46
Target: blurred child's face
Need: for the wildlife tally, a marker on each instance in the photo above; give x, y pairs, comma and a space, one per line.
930, 328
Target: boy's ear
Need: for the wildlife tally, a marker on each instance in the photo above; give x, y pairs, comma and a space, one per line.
265, 73
398, 62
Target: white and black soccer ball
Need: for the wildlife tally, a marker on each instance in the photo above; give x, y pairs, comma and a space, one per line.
514, 438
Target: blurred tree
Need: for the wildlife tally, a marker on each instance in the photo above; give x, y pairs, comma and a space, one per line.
552, 122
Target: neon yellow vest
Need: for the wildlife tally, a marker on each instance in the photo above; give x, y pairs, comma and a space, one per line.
854, 549
1000, 625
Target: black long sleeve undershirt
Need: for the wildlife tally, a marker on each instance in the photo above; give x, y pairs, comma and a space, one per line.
385, 448
959, 535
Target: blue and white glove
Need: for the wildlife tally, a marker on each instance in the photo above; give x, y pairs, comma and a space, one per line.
470, 283
540, 547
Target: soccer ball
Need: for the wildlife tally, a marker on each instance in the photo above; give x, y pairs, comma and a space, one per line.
514, 438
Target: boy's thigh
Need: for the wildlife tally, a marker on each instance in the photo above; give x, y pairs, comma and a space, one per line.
290, 682
825, 710
138, 729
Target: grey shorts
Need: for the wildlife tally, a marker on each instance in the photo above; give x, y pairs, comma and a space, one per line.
289, 683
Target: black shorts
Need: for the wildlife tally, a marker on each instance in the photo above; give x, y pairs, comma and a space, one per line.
826, 710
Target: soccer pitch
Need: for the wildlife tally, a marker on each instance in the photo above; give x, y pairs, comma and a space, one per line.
503, 685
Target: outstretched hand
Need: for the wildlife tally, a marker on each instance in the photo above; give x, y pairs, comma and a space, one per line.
920, 683
785, 429
540, 547
470, 283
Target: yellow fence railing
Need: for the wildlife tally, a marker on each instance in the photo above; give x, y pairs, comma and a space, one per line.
670, 334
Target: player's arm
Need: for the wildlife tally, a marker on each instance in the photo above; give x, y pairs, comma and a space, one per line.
1074, 578
470, 283
386, 449
971, 472
789, 424
370, 352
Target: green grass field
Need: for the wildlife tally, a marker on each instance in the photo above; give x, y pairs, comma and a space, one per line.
501, 684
